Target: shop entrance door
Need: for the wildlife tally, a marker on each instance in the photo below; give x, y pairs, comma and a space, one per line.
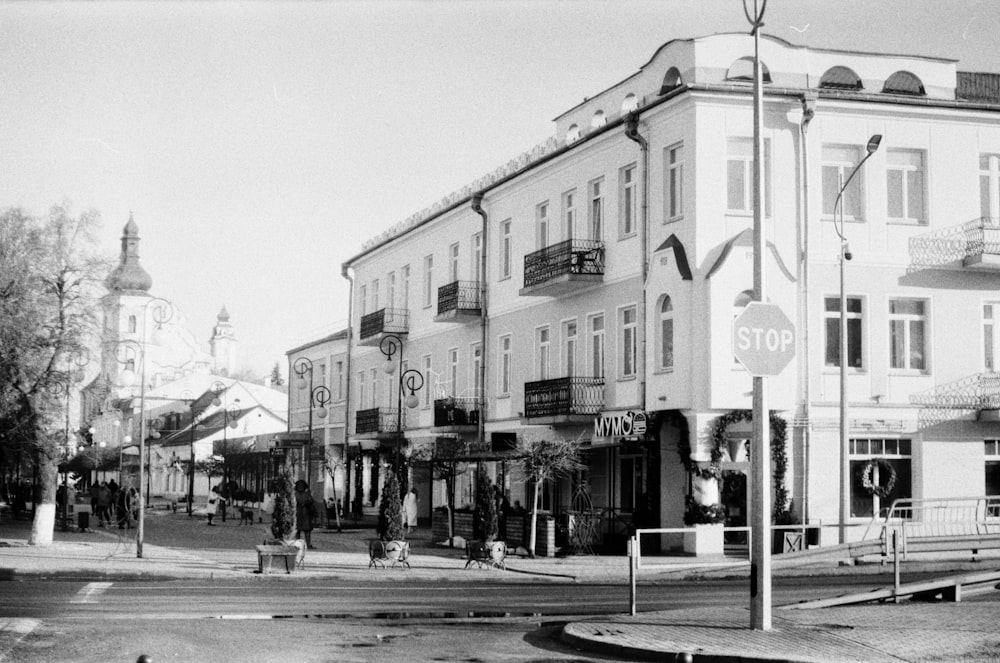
734, 498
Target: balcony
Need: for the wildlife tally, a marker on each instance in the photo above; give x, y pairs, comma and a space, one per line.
375, 326
459, 301
376, 422
456, 415
563, 268
563, 400
973, 245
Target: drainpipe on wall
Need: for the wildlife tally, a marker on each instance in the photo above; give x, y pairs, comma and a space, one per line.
632, 133
803, 415
477, 207
347, 380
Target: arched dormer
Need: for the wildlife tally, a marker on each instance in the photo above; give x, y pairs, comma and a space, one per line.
573, 133
903, 82
599, 120
840, 78
671, 80
630, 103
742, 70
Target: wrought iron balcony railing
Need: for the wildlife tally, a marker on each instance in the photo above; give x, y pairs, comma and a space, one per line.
386, 320
563, 396
964, 243
459, 296
456, 412
573, 256
376, 420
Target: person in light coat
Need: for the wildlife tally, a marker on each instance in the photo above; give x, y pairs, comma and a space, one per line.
410, 510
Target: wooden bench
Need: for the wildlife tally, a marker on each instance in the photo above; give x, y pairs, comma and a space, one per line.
270, 551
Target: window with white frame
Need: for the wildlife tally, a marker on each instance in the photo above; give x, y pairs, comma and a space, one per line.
338, 381
569, 336
674, 186
363, 300
908, 334
476, 352
596, 347
838, 162
453, 371
542, 342
428, 280
477, 258
542, 225
504, 375
905, 186
362, 392
991, 337
989, 187
666, 334
373, 386
881, 462
569, 214
404, 274
627, 198
505, 250
428, 389
831, 320
131, 324
453, 262
596, 210
390, 290
627, 334
992, 456
375, 290
739, 176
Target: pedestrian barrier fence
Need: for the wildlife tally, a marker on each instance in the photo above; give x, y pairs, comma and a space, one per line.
946, 523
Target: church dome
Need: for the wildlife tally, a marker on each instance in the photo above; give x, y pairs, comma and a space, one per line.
129, 277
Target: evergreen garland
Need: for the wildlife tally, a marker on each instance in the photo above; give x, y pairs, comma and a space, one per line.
283, 520
391, 509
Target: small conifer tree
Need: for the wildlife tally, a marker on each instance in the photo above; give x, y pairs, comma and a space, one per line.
391, 509
283, 520
486, 523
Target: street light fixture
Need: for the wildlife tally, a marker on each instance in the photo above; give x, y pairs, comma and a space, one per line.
410, 380
319, 396
845, 255
78, 357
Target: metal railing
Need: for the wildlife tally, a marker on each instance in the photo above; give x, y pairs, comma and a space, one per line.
977, 237
546, 398
459, 296
376, 420
386, 320
941, 516
980, 391
456, 412
573, 256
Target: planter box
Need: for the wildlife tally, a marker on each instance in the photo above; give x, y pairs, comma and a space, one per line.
704, 540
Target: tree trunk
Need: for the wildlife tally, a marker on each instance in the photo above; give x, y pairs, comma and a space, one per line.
43, 526
534, 519
450, 489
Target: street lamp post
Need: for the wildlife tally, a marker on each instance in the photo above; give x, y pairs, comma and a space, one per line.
845, 255
409, 380
79, 358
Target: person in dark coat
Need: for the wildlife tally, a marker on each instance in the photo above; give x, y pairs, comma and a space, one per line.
305, 512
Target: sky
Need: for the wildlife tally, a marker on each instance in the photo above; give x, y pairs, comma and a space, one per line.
259, 144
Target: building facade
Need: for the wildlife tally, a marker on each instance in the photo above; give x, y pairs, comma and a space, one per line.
587, 291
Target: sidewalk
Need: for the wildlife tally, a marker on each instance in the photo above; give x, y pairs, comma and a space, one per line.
177, 546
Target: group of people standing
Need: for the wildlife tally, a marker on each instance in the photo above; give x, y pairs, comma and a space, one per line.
107, 498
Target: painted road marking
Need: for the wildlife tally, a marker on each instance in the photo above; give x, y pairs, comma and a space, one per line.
19, 628
90, 592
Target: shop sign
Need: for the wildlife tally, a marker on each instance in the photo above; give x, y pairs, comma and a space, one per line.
630, 424
277, 452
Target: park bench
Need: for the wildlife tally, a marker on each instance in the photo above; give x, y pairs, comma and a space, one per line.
396, 552
489, 554
268, 551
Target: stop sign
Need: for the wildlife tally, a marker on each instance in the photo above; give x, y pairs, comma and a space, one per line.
763, 339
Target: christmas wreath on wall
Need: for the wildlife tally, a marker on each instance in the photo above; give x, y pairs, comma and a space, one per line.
779, 455
886, 477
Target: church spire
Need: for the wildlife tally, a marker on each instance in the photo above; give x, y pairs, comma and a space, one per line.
129, 277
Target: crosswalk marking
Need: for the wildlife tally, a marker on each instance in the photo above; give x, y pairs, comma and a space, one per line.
90, 592
19, 628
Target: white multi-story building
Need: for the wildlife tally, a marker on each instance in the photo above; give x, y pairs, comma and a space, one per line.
618, 253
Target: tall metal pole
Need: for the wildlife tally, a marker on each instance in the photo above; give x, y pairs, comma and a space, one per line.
760, 446
310, 440
190, 506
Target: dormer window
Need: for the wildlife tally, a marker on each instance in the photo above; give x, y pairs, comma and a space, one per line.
672, 80
630, 104
599, 120
742, 70
903, 82
573, 133
840, 78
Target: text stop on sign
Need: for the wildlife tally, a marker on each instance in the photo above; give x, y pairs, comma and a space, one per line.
763, 339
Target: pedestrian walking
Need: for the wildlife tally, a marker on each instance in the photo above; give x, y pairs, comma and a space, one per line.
410, 510
213, 504
94, 492
103, 504
305, 512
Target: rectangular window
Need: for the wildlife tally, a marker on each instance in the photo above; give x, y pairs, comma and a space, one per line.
569, 214
375, 290
832, 323
542, 225
991, 342
505, 249
373, 385
989, 187
338, 381
569, 348
838, 162
477, 257
992, 453
453, 263
627, 208
627, 322
674, 186
427, 389
363, 300
390, 290
907, 334
739, 176
477, 363
596, 210
362, 392
503, 376
905, 184
542, 353
453, 371
428, 280
878, 462
596, 323
405, 276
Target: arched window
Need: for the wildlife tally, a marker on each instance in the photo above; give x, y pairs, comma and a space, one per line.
742, 70
672, 79
840, 78
630, 103
903, 82
131, 324
665, 347
599, 120
573, 133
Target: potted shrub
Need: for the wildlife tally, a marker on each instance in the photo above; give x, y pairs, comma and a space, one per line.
707, 520
283, 518
486, 524
390, 523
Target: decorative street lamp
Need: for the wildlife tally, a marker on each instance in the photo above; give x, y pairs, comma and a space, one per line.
845, 255
319, 396
78, 357
410, 380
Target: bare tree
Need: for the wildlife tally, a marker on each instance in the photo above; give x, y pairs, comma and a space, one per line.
445, 463
545, 460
